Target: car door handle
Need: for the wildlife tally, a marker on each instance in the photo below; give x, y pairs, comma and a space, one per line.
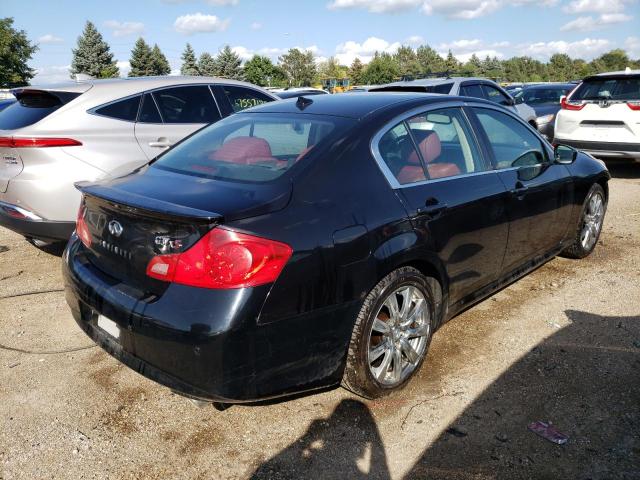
432, 208
160, 143
520, 190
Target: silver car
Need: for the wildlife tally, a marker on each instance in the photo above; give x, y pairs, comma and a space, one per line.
55, 136
466, 87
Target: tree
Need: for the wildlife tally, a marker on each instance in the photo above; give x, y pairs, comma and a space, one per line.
189, 65
356, 71
331, 68
261, 71
428, 60
451, 63
611, 61
141, 60
160, 63
207, 65
299, 67
560, 67
93, 55
473, 67
15, 51
381, 69
407, 61
228, 64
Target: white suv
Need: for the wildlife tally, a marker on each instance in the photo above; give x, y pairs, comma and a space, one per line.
52, 137
602, 116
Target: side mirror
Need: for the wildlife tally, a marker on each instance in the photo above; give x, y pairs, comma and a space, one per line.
564, 154
511, 101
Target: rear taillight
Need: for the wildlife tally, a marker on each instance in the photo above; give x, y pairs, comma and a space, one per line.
82, 230
635, 105
569, 105
223, 259
37, 142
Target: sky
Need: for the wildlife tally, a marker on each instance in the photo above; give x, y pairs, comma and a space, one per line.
342, 28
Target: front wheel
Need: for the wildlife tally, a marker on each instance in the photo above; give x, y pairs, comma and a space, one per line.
590, 226
391, 335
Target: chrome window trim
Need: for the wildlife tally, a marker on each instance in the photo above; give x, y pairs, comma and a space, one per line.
375, 151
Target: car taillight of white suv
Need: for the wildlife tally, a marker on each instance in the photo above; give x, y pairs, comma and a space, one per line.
602, 116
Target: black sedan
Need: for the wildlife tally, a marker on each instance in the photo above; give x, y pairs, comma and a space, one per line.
321, 241
545, 101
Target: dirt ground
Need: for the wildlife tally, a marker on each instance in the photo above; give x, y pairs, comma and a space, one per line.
561, 345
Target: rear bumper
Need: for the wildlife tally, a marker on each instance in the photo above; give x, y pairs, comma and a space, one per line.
604, 149
30, 225
208, 344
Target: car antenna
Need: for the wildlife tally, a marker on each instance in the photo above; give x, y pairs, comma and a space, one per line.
303, 102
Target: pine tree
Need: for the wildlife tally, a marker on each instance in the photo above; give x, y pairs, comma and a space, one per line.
299, 67
141, 60
355, 71
207, 65
189, 65
428, 60
228, 64
451, 63
160, 63
93, 55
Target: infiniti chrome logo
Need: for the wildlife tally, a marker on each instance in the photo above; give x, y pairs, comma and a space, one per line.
115, 228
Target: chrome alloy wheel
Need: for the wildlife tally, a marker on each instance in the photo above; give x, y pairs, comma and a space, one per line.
592, 221
399, 334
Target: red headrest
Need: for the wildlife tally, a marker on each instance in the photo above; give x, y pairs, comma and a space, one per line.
243, 150
429, 145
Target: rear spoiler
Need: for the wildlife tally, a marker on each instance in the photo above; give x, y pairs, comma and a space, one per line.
63, 97
132, 201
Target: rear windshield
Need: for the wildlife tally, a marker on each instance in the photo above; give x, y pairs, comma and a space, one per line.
252, 147
31, 107
542, 96
627, 88
443, 88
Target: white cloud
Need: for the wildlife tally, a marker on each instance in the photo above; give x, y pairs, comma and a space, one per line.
223, 3
481, 54
588, 23
587, 48
632, 45
376, 6
597, 6
199, 23
461, 9
122, 29
463, 49
124, 67
49, 38
243, 52
256, 26
348, 51
415, 40
51, 74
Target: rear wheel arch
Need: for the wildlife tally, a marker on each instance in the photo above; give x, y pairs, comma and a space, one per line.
437, 281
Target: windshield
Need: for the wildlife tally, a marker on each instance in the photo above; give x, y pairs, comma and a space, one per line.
540, 96
623, 89
252, 147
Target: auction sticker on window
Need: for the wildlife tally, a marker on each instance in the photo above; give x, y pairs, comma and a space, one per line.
109, 326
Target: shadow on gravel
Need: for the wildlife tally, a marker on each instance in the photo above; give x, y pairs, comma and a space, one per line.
623, 168
584, 379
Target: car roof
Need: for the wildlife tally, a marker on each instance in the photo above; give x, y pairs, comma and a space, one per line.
628, 73
356, 105
129, 85
437, 81
542, 86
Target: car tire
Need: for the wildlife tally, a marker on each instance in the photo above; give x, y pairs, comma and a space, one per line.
591, 219
372, 376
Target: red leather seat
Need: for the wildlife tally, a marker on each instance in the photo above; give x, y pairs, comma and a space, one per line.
431, 149
245, 150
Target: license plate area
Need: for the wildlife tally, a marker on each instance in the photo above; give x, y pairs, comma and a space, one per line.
109, 326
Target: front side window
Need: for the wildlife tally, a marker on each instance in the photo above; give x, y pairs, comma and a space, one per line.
187, 104
494, 95
445, 143
126, 109
242, 98
252, 147
513, 144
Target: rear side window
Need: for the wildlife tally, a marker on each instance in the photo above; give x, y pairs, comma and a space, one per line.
252, 147
242, 98
189, 104
608, 89
148, 111
31, 107
444, 88
126, 109
513, 144
400, 155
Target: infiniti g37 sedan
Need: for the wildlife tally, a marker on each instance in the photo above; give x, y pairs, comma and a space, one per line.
321, 241
89, 130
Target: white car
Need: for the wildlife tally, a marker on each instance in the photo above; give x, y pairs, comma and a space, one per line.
602, 116
55, 136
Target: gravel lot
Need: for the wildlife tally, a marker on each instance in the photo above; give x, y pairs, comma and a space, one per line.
562, 344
